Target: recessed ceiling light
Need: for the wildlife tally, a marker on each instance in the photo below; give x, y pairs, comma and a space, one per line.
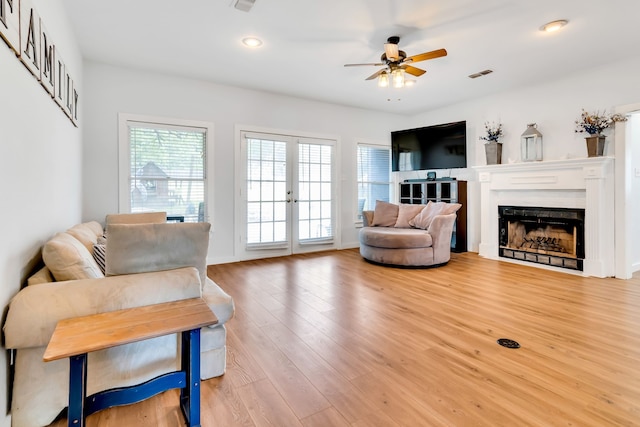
554, 25
252, 42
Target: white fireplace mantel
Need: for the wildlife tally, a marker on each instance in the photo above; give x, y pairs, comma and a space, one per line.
574, 183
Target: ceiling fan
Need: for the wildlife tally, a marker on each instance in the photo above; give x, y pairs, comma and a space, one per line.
396, 63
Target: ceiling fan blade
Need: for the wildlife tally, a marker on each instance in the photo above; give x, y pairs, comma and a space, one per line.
391, 50
413, 70
377, 64
376, 74
427, 55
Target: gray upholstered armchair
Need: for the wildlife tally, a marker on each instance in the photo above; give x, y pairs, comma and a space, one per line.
408, 235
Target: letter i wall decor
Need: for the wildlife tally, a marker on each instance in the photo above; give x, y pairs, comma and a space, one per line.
25, 33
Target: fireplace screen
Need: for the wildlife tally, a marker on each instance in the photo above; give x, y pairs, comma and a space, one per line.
552, 236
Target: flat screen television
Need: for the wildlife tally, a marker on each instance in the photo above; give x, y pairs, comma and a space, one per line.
433, 147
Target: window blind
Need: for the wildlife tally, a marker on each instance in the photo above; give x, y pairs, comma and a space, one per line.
167, 169
374, 176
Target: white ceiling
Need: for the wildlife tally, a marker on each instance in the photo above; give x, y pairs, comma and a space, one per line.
307, 42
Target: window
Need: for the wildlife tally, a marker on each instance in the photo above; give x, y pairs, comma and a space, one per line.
163, 168
374, 176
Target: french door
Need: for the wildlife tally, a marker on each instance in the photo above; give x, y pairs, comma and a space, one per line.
288, 195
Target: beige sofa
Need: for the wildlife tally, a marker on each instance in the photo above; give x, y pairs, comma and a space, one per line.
146, 263
408, 235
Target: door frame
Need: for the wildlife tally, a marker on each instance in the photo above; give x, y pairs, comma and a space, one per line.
240, 180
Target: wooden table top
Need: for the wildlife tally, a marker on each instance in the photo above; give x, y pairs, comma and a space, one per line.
85, 334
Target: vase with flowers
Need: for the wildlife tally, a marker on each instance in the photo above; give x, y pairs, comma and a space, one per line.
594, 124
493, 146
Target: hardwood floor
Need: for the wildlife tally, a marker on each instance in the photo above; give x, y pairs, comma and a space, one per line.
328, 339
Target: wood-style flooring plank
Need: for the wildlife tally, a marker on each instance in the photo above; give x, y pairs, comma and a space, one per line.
327, 339
266, 406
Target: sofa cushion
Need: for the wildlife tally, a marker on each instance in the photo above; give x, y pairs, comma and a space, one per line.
136, 218
385, 214
406, 213
424, 218
68, 259
395, 238
100, 255
410, 257
138, 248
451, 208
41, 276
86, 233
35, 310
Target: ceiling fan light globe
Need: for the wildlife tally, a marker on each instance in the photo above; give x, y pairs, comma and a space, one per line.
397, 76
383, 80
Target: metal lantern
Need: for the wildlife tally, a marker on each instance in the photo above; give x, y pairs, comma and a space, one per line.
531, 144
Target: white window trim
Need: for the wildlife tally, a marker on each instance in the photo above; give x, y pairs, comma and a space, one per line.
124, 154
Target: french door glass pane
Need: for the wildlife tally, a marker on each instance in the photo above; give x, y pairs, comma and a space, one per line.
266, 191
315, 190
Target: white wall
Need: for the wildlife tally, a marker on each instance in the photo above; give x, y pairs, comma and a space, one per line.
112, 90
633, 135
554, 106
40, 165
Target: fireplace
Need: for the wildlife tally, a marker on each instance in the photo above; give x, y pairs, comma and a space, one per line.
575, 184
551, 236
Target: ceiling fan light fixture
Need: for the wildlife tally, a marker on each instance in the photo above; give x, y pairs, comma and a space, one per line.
252, 42
409, 82
552, 26
383, 79
397, 76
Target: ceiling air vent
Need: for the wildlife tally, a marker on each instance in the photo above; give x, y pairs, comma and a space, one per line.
243, 5
480, 74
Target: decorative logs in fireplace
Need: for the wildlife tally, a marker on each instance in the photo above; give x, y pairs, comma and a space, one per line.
552, 236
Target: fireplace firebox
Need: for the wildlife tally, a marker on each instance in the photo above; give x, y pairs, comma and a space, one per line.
551, 236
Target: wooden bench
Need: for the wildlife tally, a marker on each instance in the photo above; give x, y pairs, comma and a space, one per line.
75, 338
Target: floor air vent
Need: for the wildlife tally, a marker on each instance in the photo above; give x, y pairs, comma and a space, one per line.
505, 342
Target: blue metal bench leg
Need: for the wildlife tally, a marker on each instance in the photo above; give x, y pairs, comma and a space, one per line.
77, 390
190, 361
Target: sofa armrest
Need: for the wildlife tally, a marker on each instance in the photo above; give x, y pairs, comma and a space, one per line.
35, 310
218, 301
440, 230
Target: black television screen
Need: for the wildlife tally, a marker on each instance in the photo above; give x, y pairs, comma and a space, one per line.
433, 147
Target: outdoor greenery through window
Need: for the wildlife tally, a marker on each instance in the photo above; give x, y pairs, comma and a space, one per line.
167, 170
374, 176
